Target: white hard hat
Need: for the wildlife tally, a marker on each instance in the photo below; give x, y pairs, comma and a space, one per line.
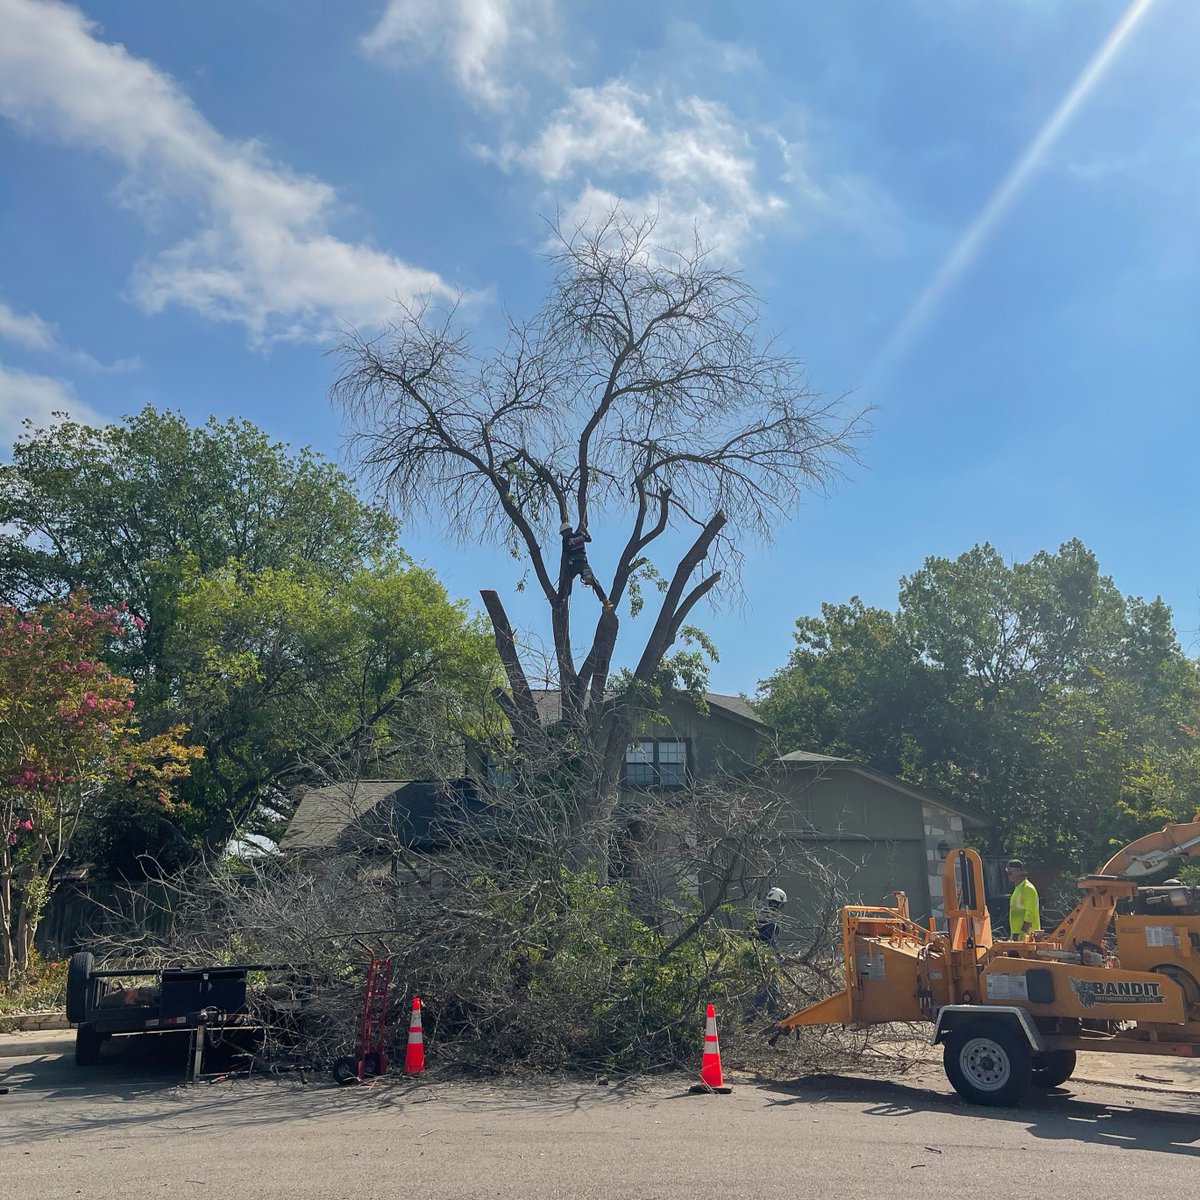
565, 527
778, 895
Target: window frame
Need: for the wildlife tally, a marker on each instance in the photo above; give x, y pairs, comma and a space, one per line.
655, 765
498, 774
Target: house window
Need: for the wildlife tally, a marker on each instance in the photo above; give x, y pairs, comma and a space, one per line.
656, 762
500, 776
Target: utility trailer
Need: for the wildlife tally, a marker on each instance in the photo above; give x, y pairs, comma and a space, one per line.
207, 1002
1013, 1014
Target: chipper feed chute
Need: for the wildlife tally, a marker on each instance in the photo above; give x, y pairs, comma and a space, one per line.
898, 970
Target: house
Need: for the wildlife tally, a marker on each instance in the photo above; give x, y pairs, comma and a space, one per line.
841, 821
684, 746
870, 832
356, 816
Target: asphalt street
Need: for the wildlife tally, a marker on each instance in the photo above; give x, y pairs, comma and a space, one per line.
128, 1128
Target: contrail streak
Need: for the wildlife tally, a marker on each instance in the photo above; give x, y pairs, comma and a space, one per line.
1005, 196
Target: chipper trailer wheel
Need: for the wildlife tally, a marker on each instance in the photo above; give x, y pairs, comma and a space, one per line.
988, 1062
1052, 1068
87, 1046
79, 974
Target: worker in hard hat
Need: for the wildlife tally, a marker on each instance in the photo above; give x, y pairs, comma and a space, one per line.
769, 997
768, 924
1024, 915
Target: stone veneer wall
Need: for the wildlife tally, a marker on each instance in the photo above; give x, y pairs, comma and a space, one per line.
941, 825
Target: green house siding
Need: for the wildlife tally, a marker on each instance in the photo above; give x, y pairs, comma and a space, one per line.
718, 744
839, 803
862, 833
864, 871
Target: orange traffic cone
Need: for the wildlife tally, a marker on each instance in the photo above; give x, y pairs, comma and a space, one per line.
414, 1055
710, 1063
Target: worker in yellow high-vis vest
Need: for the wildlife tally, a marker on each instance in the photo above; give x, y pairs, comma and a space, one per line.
1024, 916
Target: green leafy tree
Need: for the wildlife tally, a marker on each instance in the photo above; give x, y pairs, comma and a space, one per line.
126, 510
271, 612
1063, 711
288, 676
69, 744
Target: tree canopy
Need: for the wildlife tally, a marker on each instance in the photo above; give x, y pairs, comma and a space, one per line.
69, 745
271, 611
291, 678
125, 510
1061, 710
642, 405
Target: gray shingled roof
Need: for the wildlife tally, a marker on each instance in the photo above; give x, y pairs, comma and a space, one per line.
805, 756
357, 814
738, 706
549, 705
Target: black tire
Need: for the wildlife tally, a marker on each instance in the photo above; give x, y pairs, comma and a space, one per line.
1052, 1068
87, 1046
988, 1062
345, 1070
79, 974
1185, 981
372, 1064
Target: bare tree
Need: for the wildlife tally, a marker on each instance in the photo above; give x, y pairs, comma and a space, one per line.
643, 397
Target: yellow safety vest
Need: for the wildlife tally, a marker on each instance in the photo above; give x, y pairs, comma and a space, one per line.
1022, 907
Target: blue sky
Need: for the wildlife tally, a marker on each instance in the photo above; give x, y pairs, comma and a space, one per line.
195, 196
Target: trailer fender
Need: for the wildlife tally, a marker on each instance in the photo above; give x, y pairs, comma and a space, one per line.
951, 1016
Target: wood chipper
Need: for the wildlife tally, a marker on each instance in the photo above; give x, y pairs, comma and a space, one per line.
1012, 1014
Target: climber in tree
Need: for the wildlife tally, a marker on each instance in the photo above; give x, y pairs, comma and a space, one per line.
576, 562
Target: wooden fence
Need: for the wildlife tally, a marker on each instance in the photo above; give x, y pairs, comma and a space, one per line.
78, 912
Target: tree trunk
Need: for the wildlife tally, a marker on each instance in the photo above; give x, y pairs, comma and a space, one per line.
27, 923
7, 954
610, 740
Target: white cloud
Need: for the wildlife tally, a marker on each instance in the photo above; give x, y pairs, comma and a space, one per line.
266, 256
31, 332
25, 396
655, 147
27, 330
689, 161
483, 41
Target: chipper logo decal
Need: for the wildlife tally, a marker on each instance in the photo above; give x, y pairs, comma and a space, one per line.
1102, 991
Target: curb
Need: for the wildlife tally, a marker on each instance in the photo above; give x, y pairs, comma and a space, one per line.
32, 1022
1149, 1088
34, 1047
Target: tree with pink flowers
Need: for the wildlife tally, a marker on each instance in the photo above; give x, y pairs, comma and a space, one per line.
69, 742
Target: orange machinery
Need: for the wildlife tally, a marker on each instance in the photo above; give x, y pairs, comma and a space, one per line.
1013, 1014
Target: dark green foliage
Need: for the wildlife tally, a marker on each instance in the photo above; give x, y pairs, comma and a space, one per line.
1063, 711
275, 616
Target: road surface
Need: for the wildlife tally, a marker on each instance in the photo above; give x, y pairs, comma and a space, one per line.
127, 1129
